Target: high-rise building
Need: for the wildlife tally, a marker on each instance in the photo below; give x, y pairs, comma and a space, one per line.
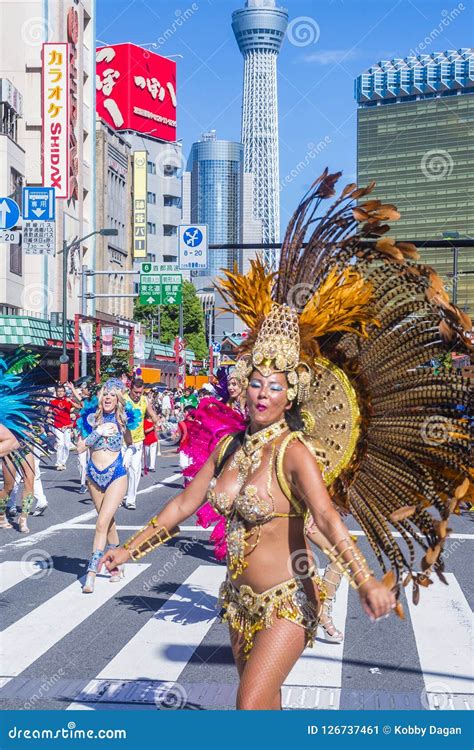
213, 189
32, 285
259, 29
113, 210
216, 182
163, 196
415, 139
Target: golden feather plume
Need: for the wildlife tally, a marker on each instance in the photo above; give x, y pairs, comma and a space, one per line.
248, 295
342, 303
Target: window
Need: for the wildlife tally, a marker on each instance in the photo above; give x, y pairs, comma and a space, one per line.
151, 198
151, 167
172, 200
151, 227
170, 258
169, 230
169, 170
16, 259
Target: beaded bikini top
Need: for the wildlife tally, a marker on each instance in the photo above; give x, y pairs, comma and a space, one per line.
250, 507
112, 443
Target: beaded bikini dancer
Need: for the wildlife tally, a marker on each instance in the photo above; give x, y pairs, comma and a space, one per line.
352, 326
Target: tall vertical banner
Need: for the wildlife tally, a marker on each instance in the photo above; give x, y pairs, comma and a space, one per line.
87, 345
139, 204
107, 341
139, 346
55, 107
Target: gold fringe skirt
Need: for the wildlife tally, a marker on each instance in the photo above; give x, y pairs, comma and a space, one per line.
249, 612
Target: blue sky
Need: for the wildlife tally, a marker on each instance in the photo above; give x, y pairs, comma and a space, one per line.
333, 42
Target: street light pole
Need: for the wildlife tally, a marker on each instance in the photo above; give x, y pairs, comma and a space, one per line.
64, 358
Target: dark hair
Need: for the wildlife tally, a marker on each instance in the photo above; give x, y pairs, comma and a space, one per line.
138, 382
293, 418
188, 408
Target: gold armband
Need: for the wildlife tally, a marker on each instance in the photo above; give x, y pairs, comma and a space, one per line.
350, 562
160, 536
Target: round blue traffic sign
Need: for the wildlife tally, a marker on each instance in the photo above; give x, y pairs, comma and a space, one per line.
192, 236
9, 213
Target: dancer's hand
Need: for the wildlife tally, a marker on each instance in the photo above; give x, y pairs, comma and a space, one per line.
106, 429
113, 558
376, 599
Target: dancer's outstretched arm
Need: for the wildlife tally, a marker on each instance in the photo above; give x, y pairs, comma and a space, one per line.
175, 512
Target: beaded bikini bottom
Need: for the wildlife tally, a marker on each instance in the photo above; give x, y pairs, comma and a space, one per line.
104, 477
248, 612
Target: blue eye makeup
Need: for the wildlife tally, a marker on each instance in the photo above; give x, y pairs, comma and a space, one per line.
276, 387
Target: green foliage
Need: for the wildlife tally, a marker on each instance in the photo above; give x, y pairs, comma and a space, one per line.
193, 320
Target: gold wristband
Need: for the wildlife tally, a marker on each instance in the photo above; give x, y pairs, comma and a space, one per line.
352, 568
160, 536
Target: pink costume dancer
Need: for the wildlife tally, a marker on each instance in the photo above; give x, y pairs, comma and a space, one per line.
212, 421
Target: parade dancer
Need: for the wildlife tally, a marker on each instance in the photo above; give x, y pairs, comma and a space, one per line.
108, 431
338, 407
139, 402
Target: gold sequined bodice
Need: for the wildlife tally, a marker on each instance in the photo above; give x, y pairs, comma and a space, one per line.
242, 493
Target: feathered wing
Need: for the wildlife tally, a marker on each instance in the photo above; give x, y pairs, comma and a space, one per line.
23, 400
380, 316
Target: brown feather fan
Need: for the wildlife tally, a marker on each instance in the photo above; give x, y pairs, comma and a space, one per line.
379, 316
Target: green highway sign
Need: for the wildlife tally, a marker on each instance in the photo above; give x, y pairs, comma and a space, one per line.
172, 289
160, 285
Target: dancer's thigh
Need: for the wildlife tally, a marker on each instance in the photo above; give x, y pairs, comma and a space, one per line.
275, 652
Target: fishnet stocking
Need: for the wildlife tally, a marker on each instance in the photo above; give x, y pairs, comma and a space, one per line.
274, 653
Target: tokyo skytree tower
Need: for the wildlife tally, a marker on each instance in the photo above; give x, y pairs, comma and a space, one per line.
259, 29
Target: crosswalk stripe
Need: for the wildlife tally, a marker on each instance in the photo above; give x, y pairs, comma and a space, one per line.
442, 625
66, 610
322, 664
162, 648
13, 572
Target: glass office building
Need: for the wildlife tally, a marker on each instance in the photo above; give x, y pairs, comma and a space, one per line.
415, 138
216, 196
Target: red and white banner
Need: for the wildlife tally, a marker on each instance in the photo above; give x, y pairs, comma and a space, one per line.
55, 105
107, 342
87, 345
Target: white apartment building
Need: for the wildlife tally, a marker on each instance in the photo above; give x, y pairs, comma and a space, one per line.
34, 287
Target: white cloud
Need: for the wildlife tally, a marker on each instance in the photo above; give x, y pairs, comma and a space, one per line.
330, 56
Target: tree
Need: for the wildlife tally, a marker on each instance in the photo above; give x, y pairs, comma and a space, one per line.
193, 320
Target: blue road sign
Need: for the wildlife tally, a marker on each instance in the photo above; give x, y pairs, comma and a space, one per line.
9, 213
39, 203
192, 246
216, 347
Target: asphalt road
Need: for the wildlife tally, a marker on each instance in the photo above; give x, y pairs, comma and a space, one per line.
154, 640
